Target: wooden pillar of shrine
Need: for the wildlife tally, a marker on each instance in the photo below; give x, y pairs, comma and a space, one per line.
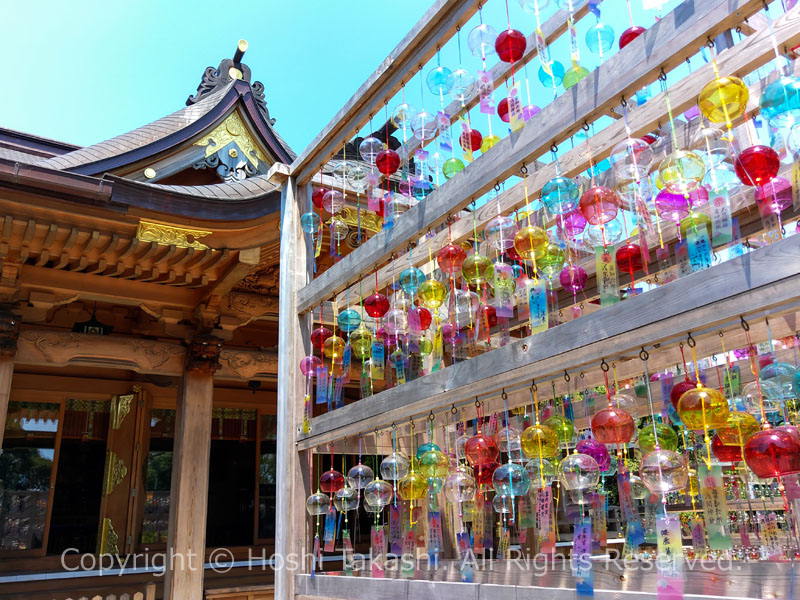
9, 333
190, 465
292, 473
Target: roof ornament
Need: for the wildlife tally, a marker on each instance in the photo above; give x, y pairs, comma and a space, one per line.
215, 79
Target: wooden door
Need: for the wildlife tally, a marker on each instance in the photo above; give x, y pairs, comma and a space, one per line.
122, 479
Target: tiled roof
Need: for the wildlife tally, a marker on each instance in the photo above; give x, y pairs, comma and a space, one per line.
137, 138
246, 189
17, 156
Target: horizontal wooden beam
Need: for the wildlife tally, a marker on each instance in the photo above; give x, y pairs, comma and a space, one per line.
435, 27
106, 289
54, 348
620, 76
760, 280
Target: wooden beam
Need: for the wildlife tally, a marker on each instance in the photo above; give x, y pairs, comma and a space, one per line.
758, 281
291, 539
586, 101
55, 348
246, 261
417, 47
106, 289
186, 537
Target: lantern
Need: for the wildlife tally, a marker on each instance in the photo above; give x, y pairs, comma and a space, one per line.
511, 479
376, 305
477, 269
738, 429
539, 441
578, 472
725, 453
664, 471
630, 34
359, 476
378, 493
773, 453
541, 472
500, 232
702, 407
510, 45
757, 165
450, 258
667, 438
530, 242
431, 293
597, 451
599, 205
560, 195
394, 466
460, 486
412, 487
613, 426
723, 100
563, 428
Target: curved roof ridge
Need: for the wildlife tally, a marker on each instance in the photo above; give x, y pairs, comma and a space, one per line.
247, 189
139, 137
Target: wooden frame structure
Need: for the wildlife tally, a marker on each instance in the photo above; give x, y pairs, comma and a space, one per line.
755, 284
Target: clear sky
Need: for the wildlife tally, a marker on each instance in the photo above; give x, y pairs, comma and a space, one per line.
87, 70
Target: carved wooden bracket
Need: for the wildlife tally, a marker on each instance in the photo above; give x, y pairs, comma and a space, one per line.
239, 364
202, 354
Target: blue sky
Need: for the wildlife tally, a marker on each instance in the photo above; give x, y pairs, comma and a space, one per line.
88, 70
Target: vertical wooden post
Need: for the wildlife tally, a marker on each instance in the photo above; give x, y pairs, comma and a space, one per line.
190, 464
293, 335
9, 333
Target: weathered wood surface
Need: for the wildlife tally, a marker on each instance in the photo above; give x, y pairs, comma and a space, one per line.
626, 71
291, 538
186, 539
701, 302
417, 47
513, 580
